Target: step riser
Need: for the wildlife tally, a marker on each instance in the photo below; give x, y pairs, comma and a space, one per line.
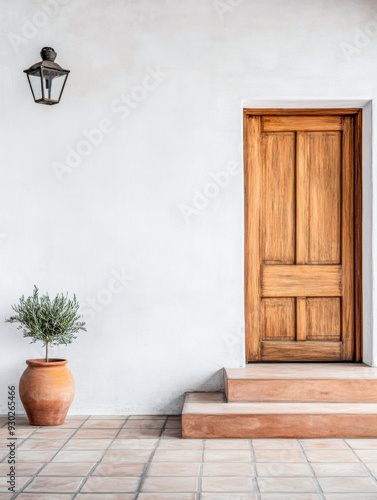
301, 426
301, 390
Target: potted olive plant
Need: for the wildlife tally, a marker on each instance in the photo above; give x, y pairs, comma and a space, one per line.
47, 387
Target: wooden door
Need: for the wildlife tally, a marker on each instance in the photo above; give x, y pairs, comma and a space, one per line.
300, 236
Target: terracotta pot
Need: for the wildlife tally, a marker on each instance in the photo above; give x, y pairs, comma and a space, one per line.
46, 391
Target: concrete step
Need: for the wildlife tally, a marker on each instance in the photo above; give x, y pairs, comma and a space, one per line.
302, 382
208, 415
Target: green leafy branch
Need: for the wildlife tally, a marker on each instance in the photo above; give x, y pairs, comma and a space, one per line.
53, 322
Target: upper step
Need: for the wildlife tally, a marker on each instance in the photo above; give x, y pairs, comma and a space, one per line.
302, 382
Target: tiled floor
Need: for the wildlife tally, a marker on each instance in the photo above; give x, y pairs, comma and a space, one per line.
144, 458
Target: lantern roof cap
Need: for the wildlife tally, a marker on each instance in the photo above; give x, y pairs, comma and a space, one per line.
48, 65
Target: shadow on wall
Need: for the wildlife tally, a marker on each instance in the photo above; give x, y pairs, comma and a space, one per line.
174, 405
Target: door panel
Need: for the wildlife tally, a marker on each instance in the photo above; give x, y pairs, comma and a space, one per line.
322, 168
323, 318
299, 238
279, 319
278, 198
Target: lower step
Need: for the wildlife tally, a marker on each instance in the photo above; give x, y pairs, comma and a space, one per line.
207, 415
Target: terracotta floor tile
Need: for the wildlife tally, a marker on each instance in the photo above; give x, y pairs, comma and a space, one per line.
284, 484
52, 433
147, 417
145, 424
290, 496
43, 496
119, 469
367, 455
174, 469
78, 456
180, 444
98, 484
173, 424
172, 433
279, 456
34, 455
227, 456
349, 496
133, 444
166, 496
87, 444
77, 418
283, 469
96, 433
227, 444
23, 469
170, 484
105, 496
324, 444
103, 424
330, 456
347, 484
42, 444
363, 444
139, 433
227, 484
227, 469
135, 456
225, 496
177, 455
275, 444
20, 482
72, 424
54, 484
108, 417
339, 469
67, 469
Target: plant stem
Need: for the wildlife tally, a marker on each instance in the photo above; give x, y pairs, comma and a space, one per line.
46, 352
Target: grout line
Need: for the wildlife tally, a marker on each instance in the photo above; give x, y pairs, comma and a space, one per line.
46, 463
315, 479
200, 476
100, 460
254, 467
148, 466
366, 468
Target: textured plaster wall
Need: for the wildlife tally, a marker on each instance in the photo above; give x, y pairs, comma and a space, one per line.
130, 191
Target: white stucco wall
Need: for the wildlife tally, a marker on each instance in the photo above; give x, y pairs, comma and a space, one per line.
166, 82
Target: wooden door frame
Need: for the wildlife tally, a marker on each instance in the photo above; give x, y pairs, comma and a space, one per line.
248, 271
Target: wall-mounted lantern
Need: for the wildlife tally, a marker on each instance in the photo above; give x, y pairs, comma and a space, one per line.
46, 78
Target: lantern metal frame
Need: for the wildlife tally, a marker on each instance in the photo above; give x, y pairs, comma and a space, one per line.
43, 68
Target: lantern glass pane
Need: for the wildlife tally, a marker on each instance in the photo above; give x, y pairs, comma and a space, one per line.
52, 84
35, 84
